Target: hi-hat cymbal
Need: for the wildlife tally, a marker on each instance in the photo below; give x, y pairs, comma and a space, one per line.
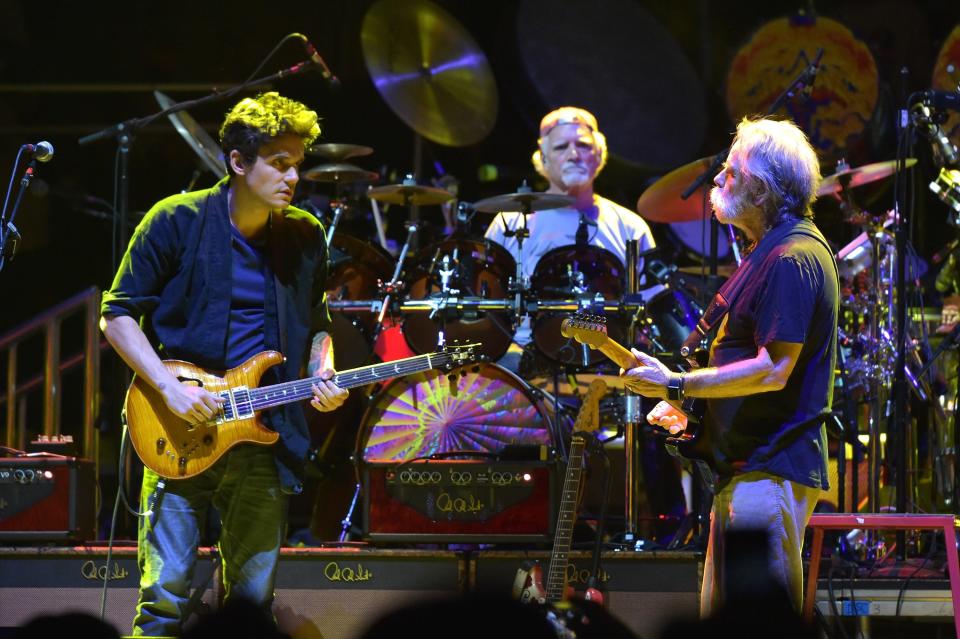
198, 139
409, 194
661, 202
523, 201
430, 71
338, 172
849, 178
339, 152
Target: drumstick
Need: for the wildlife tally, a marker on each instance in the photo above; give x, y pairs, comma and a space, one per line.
379, 222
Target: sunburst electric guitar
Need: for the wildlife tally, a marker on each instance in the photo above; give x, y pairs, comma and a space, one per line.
694, 442
528, 585
177, 449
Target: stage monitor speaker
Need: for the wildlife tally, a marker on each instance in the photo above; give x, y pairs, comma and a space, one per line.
330, 593
643, 590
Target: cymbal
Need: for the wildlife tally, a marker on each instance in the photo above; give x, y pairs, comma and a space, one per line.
429, 71
661, 201
409, 194
523, 201
198, 139
848, 178
338, 172
338, 152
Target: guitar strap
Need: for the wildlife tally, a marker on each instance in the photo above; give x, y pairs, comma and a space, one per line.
731, 289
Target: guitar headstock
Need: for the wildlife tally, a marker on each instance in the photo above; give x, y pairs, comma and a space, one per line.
461, 352
588, 419
585, 328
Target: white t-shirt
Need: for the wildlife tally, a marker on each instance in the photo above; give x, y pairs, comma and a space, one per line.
553, 228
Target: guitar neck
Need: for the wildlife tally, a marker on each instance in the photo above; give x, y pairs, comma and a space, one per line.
566, 518
618, 354
295, 391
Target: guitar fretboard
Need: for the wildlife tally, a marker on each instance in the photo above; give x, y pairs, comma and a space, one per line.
557, 574
287, 392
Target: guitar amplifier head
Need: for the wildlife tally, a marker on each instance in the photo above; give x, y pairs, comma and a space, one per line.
47, 499
460, 501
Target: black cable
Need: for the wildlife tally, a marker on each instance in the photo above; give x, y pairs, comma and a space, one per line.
6, 200
906, 582
289, 36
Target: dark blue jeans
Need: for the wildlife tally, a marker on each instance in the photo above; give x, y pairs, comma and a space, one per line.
245, 489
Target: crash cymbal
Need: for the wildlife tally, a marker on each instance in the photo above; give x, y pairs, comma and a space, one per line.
339, 152
523, 201
661, 202
338, 172
198, 139
409, 194
430, 71
849, 178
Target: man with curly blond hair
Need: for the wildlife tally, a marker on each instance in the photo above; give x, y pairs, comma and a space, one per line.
214, 277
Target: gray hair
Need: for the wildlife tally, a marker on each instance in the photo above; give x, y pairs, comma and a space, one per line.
780, 158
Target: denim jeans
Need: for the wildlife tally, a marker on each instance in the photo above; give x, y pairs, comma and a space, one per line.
760, 501
244, 487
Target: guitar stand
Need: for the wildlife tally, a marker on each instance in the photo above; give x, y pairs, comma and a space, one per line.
594, 580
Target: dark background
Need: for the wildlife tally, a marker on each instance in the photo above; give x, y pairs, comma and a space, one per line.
68, 69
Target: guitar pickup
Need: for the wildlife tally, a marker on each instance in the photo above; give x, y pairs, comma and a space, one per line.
228, 409
242, 404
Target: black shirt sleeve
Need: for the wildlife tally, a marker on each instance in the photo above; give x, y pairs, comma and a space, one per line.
149, 262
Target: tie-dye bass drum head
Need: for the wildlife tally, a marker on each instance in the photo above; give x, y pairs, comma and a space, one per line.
844, 94
946, 77
476, 408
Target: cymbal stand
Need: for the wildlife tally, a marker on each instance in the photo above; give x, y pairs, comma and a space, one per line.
338, 208
393, 286
631, 418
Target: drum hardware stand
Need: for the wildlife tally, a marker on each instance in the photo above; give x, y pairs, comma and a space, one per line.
632, 419
394, 285
338, 208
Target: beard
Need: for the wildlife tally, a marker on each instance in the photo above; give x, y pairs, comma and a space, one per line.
576, 175
727, 208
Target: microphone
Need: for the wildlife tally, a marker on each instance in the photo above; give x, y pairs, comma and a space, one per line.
331, 79
41, 151
812, 74
942, 100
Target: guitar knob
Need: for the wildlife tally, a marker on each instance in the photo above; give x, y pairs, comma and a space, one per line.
182, 464
161, 444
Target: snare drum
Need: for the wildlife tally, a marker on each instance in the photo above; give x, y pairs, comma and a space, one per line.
570, 273
479, 408
480, 269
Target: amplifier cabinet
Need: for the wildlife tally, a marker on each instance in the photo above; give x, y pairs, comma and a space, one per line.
47, 499
643, 590
326, 593
458, 501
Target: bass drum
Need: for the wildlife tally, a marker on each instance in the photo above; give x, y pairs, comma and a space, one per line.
569, 273
476, 408
481, 269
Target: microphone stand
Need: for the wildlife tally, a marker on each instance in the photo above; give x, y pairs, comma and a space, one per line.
804, 79
7, 228
125, 131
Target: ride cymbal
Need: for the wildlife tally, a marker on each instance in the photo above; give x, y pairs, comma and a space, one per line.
661, 202
430, 71
523, 201
338, 172
409, 194
849, 178
338, 152
198, 139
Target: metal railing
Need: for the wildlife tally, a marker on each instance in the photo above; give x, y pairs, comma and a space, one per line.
49, 323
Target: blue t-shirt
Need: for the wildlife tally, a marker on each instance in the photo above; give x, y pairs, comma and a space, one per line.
787, 292
245, 328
